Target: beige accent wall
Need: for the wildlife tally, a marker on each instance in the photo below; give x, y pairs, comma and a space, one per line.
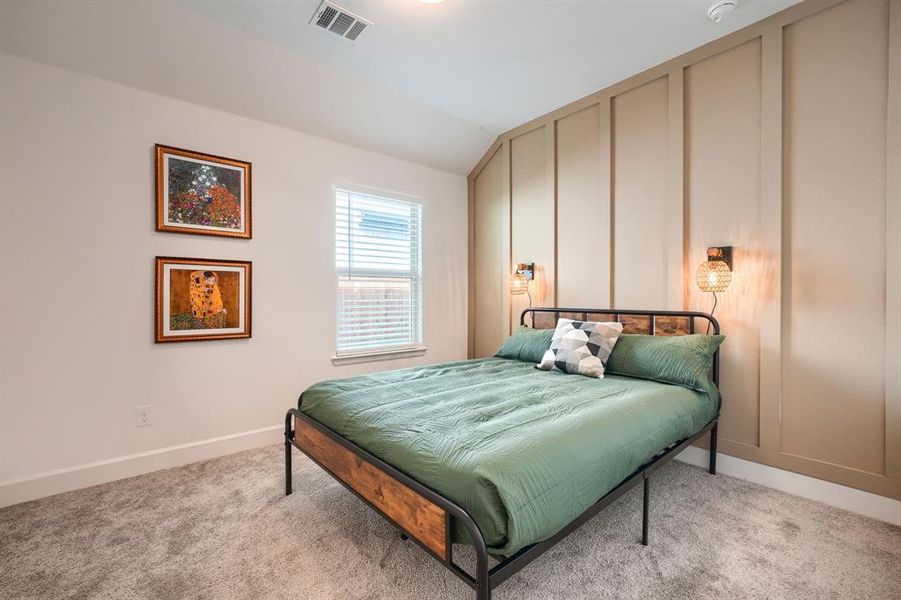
780, 140
490, 207
639, 150
583, 202
834, 198
722, 179
532, 216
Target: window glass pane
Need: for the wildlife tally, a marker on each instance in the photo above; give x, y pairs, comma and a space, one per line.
378, 264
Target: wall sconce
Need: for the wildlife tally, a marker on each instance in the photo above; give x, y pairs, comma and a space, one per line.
523, 273
715, 273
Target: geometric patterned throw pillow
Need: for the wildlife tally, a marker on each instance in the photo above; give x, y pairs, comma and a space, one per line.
581, 347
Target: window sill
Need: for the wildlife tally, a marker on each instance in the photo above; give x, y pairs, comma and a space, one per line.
352, 358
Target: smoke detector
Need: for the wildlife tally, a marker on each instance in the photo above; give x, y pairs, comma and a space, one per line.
332, 17
720, 8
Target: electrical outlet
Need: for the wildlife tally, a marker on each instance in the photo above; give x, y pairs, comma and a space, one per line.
142, 416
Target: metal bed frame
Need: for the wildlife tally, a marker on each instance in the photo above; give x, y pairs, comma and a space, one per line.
486, 578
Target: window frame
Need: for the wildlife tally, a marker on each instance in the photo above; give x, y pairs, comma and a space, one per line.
382, 352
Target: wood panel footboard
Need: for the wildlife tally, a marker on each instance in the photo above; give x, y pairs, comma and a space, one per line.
409, 510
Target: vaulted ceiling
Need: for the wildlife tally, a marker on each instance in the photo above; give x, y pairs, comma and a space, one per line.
431, 83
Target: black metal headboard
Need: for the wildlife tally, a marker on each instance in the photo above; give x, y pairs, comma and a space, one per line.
651, 322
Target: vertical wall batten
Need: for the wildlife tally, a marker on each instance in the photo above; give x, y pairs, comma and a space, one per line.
507, 170
471, 271
550, 180
771, 211
607, 185
893, 250
675, 177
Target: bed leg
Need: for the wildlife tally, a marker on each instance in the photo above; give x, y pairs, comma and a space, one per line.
712, 468
484, 593
644, 512
288, 486
483, 580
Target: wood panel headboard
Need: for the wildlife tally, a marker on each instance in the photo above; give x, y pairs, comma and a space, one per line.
650, 322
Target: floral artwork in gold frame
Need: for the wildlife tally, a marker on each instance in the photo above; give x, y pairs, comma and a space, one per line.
202, 194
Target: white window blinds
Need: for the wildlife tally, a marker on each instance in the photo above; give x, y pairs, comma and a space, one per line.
378, 259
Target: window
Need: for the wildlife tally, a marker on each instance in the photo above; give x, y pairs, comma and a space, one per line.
378, 259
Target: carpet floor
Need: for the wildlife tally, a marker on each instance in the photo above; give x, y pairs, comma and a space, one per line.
223, 529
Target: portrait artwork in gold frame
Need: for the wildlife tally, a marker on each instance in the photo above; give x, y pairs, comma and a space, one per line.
202, 299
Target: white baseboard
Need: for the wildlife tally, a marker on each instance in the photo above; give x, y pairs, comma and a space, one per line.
41, 485
840, 496
14, 491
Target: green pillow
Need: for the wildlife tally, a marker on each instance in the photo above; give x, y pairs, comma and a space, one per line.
683, 360
526, 344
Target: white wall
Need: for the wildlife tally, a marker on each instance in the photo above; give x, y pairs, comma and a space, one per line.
77, 247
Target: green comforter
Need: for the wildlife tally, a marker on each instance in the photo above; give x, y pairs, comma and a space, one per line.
523, 451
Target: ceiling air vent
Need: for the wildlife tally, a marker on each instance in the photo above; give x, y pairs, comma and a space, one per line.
339, 20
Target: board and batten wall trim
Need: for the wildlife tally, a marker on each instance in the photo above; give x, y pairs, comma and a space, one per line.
677, 117
893, 249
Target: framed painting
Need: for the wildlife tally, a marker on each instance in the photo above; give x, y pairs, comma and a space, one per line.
202, 299
202, 194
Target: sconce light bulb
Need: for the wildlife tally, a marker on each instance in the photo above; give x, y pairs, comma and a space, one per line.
714, 276
519, 284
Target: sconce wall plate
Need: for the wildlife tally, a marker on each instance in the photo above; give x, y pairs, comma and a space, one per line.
526, 269
723, 253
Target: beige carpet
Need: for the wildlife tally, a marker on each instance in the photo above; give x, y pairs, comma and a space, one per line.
223, 529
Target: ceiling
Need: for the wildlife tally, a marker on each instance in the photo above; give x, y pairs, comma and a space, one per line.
431, 83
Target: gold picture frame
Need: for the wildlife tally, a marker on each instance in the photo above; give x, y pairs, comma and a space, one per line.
202, 194
202, 299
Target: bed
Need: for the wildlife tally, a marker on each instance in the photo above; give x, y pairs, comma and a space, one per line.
497, 454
